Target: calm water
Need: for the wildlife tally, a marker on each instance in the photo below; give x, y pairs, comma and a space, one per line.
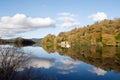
80, 63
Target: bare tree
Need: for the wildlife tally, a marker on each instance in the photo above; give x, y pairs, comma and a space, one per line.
11, 59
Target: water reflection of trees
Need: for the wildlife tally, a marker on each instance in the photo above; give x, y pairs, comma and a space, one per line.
18, 42
15, 65
107, 58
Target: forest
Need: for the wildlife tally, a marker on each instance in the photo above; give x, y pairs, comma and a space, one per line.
103, 33
18, 42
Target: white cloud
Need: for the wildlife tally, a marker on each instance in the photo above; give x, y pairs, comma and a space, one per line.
67, 72
98, 71
68, 20
69, 61
21, 23
68, 64
99, 16
70, 24
67, 14
40, 62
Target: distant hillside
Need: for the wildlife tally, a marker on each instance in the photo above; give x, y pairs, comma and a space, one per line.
104, 33
17, 41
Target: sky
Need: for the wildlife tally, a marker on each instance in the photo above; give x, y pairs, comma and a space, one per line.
37, 18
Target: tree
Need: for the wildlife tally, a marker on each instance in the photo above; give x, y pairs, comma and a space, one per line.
48, 40
11, 59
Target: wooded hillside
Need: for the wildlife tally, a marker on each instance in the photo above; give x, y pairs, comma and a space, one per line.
104, 33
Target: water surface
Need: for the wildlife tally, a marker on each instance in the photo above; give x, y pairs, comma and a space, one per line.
82, 63
77, 63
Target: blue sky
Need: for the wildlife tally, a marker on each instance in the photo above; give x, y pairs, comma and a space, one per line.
37, 18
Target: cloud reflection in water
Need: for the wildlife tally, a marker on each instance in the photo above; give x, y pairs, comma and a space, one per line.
98, 71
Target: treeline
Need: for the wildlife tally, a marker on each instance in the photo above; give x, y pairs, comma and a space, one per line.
23, 42
104, 33
4, 41
17, 41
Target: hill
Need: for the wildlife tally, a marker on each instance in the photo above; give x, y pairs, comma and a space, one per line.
19, 42
104, 33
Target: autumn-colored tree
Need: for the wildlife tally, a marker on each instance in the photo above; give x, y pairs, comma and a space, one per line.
104, 33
